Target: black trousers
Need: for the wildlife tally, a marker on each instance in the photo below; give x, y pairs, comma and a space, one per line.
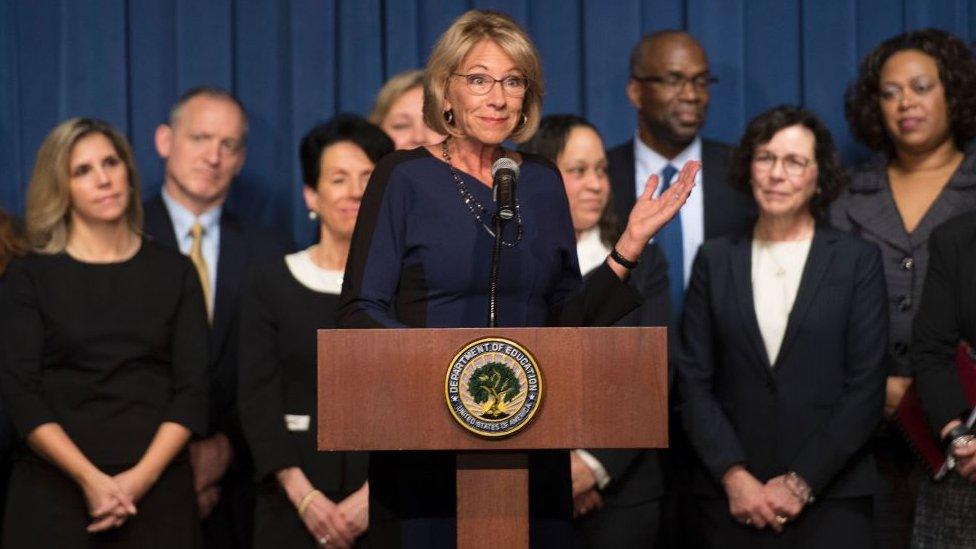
844, 523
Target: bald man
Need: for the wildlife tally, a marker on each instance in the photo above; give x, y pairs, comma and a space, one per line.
669, 88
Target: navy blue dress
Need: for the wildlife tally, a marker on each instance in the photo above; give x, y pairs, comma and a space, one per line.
419, 258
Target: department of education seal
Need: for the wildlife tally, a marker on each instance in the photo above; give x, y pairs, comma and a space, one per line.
493, 387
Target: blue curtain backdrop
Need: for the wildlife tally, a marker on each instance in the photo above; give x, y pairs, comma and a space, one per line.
296, 62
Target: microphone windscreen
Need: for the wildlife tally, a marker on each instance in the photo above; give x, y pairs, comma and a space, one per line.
505, 163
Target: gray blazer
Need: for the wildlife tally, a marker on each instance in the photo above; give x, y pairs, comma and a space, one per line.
867, 209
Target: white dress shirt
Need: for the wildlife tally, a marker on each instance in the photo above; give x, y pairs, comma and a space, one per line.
183, 220
647, 162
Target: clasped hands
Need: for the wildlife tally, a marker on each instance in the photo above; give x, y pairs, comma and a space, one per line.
759, 505
112, 500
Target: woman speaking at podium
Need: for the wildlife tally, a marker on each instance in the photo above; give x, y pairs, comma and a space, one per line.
420, 257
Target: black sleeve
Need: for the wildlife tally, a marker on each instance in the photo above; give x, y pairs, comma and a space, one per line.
708, 428
602, 300
189, 403
375, 254
856, 413
936, 333
22, 344
261, 389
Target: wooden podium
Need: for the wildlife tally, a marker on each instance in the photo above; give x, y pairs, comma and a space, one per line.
602, 388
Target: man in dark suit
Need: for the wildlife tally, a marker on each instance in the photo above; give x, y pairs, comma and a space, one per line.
668, 86
203, 145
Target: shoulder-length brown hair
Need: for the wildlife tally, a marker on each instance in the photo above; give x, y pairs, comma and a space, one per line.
48, 195
469, 29
12, 242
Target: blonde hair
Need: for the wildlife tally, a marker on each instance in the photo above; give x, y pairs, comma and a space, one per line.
392, 90
451, 48
48, 195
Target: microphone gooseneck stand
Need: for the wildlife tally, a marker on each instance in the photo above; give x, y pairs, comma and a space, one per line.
496, 256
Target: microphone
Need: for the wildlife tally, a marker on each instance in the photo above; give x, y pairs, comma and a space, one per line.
504, 175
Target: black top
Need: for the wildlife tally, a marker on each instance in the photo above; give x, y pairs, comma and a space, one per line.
108, 351
867, 209
279, 319
946, 315
811, 411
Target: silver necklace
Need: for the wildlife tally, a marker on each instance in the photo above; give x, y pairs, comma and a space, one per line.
475, 207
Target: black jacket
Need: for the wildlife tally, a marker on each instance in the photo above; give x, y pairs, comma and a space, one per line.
946, 315
814, 410
242, 247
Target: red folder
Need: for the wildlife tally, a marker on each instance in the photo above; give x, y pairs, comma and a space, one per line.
911, 418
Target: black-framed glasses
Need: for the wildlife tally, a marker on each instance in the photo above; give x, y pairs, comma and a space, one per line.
793, 165
677, 81
481, 84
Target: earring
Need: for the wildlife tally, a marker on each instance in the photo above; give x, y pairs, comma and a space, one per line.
522, 121
449, 117
817, 192
312, 215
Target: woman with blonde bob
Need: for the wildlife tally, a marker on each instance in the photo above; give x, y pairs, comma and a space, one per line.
420, 257
398, 111
103, 359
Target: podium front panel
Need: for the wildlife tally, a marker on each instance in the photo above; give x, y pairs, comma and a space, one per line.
385, 389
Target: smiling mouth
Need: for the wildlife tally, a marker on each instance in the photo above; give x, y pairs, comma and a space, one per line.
908, 124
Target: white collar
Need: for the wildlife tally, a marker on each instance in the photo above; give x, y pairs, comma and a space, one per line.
313, 277
591, 250
651, 162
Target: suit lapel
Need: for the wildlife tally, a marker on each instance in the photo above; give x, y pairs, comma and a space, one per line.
230, 272
157, 223
818, 262
741, 265
622, 181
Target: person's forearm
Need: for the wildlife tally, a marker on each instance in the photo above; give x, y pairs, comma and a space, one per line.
53, 443
169, 440
295, 484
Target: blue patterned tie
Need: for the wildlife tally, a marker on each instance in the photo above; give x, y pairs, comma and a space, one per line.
669, 238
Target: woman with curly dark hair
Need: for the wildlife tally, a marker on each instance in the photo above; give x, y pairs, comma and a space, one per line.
914, 103
781, 370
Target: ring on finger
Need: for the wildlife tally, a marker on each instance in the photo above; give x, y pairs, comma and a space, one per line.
324, 540
781, 519
748, 521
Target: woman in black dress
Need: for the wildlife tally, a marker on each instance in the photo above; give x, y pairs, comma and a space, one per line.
420, 258
103, 359
304, 496
12, 244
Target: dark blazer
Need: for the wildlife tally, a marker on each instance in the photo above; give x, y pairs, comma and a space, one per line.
812, 411
242, 247
947, 314
727, 210
867, 209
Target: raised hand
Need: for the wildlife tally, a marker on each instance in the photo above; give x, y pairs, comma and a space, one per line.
649, 214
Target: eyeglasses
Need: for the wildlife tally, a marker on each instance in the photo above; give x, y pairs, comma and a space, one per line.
793, 165
481, 84
675, 82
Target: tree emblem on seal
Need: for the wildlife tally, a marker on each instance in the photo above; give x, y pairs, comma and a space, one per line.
493, 385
